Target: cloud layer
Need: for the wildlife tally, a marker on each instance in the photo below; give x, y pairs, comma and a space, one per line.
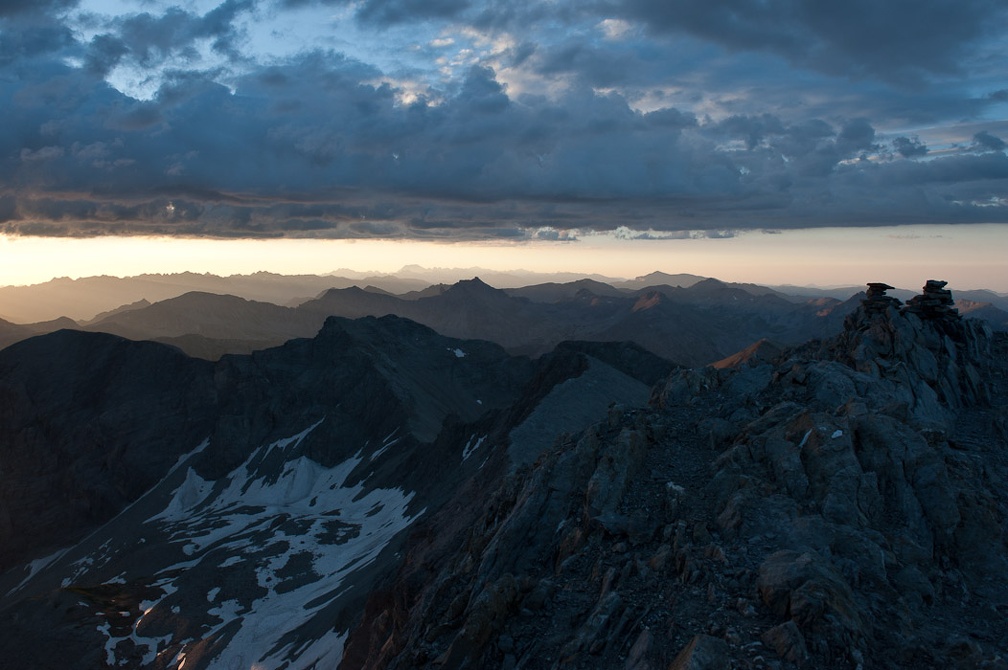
459, 119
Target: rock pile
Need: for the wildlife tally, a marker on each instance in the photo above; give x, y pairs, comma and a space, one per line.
876, 301
935, 303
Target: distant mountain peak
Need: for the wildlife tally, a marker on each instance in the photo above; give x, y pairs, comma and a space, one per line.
474, 286
658, 278
710, 281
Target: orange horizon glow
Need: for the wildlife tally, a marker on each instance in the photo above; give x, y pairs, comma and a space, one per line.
968, 257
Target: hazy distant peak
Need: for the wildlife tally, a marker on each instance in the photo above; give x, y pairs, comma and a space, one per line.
658, 278
708, 283
139, 304
474, 286
202, 297
343, 291
371, 288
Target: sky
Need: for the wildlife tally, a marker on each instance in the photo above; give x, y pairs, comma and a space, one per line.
818, 143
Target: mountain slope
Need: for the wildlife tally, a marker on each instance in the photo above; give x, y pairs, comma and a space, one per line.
15, 332
209, 315
381, 495
843, 506
696, 325
270, 491
88, 422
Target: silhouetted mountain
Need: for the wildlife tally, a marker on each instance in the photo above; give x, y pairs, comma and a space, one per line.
384, 496
660, 279
88, 423
139, 304
15, 332
312, 458
554, 292
197, 317
693, 326
84, 298
503, 279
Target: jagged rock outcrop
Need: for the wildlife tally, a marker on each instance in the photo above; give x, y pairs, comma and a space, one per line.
934, 303
876, 299
842, 506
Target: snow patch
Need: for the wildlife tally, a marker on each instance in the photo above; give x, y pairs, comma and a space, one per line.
836, 433
458, 352
471, 447
804, 440
389, 441
303, 529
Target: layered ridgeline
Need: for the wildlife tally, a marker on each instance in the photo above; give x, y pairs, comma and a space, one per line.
690, 320
161, 511
692, 325
384, 496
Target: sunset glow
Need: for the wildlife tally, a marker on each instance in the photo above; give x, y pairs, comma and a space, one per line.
967, 256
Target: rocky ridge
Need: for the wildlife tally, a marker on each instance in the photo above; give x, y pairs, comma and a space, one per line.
842, 506
158, 511
383, 496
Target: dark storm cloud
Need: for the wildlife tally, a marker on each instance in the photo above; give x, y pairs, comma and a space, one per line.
315, 144
264, 161
147, 39
22, 7
897, 39
28, 35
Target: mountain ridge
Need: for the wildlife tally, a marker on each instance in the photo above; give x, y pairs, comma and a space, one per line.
406, 499
85, 298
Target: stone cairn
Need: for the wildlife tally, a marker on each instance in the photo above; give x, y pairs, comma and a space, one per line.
876, 301
935, 303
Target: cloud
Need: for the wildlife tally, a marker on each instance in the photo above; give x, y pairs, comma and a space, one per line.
148, 41
22, 7
897, 40
985, 141
645, 125
43, 154
909, 147
401, 11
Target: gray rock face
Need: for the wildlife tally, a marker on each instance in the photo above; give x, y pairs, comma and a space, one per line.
843, 508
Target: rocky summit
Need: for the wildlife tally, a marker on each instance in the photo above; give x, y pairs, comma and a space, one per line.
380, 496
842, 506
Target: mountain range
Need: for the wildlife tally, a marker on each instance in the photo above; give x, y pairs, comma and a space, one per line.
555, 489
84, 300
695, 321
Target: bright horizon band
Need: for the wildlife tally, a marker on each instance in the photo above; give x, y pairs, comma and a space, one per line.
968, 256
